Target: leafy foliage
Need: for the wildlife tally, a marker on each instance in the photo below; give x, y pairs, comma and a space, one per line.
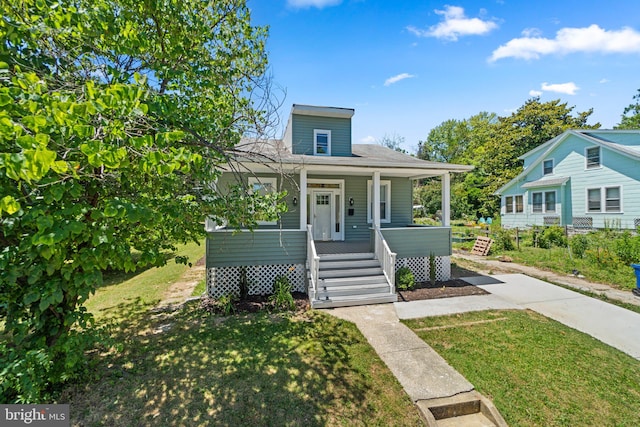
631, 114
114, 113
493, 144
281, 299
405, 281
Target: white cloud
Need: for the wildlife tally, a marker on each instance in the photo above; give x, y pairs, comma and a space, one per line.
396, 79
368, 139
566, 88
535, 93
604, 81
592, 39
455, 25
305, 4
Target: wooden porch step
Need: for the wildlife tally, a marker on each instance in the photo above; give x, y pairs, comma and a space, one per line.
346, 257
353, 300
352, 272
359, 289
348, 264
349, 281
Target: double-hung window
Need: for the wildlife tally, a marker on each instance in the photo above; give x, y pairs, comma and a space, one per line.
385, 201
508, 204
519, 204
592, 157
547, 167
542, 202
263, 186
605, 199
321, 142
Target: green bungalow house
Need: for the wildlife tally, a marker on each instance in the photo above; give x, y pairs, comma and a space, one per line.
582, 178
349, 223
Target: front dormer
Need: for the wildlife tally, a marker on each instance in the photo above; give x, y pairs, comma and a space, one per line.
319, 131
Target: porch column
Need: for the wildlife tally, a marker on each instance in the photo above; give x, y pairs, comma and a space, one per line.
375, 215
302, 199
446, 200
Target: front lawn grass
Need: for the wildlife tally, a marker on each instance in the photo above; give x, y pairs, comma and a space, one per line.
190, 368
537, 371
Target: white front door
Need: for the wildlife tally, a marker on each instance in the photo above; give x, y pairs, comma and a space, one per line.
322, 208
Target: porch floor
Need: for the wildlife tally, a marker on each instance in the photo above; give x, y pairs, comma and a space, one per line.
334, 248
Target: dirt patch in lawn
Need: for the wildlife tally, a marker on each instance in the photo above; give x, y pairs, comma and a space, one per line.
448, 289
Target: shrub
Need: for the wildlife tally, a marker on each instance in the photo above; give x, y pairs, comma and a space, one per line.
405, 281
627, 248
503, 240
225, 304
281, 299
579, 245
552, 236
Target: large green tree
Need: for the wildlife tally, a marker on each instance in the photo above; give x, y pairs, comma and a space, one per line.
631, 114
493, 144
114, 116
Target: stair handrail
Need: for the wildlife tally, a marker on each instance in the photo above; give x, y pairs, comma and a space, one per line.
386, 258
313, 261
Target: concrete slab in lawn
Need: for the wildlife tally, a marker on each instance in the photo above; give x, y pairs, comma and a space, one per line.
445, 306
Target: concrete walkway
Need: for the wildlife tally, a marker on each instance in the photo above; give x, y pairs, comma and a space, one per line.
426, 375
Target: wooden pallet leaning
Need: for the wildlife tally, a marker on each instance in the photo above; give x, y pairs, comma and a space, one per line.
481, 246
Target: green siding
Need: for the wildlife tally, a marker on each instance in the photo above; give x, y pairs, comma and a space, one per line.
224, 248
411, 242
302, 134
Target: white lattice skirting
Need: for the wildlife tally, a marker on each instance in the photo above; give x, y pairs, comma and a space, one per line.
260, 278
419, 266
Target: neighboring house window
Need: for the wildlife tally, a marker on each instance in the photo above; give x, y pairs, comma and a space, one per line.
612, 199
549, 204
592, 156
550, 201
321, 142
547, 167
519, 204
593, 200
385, 201
536, 202
263, 186
611, 202
508, 204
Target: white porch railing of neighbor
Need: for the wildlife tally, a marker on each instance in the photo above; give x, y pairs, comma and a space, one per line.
387, 259
313, 261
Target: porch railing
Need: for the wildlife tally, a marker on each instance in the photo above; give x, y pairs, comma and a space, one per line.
386, 257
313, 262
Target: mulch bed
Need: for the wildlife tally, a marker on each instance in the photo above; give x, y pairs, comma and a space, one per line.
254, 303
448, 289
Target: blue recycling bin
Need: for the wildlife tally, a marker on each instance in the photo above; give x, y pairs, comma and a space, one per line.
636, 269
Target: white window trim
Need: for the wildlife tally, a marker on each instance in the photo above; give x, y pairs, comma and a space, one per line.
387, 209
544, 202
315, 142
603, 200
553, 167
586, 158
265, 180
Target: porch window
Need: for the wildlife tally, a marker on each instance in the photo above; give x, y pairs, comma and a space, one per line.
547, 167
519, 204
536, 202
321, 142
263, 186
385, 201
592, 156
508, 204
550, 201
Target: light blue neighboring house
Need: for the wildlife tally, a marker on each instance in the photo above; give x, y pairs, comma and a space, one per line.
349, 223
581, 178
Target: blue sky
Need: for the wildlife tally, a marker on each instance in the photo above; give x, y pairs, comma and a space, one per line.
407, 66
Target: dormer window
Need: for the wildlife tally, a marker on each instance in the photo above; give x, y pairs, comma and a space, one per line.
547, 167
321, 142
